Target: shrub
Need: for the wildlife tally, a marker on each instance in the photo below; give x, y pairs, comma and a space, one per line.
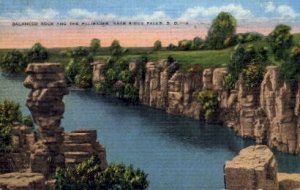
79, 71
78, 52
10, 113
281, 40
141, 66
248, 37
253, 75
130, 92
241, 58
13, 62
185, 45
197, 43
171, 47
88, 175
290, 70
229, 82
37, 53
27, 120
209, 101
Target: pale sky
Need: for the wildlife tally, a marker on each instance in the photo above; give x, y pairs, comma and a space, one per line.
252, 15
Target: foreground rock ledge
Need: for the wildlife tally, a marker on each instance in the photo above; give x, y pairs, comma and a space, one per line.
254, 168
22, 181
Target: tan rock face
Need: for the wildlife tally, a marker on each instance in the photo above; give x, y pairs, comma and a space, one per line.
218, 79
80, 145
254, 168
48, 86
278, 102
98, 71
54, 148
24, 181
288, 181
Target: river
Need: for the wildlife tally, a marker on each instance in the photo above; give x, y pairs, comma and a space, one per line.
176, 152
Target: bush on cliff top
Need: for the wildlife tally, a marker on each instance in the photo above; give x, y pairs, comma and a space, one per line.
241, 58
88, 175
290, 70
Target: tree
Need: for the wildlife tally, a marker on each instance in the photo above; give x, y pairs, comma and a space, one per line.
171, 47
88, 175
197, 43
222, 31
13, 62
184, 45
157, 45
37, 53
116, 49
95, 45
281, 40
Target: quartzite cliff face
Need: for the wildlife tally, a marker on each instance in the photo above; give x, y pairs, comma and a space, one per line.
270, 113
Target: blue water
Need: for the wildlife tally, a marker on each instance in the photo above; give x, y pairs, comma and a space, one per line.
176, 152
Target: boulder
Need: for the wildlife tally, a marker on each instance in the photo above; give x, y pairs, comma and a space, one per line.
254, 168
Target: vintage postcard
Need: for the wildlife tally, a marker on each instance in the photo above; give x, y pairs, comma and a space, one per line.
149, 94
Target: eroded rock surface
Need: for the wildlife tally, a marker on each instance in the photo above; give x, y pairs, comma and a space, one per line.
22, 180
254, 168
48, 86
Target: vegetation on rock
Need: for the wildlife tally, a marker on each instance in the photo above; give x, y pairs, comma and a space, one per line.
10, 113
290, 70
88, 175
119, 79
209, 101
248, 61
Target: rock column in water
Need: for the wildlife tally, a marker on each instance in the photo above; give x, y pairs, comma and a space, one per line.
48, 86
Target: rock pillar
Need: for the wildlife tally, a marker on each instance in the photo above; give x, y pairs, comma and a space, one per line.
48, 86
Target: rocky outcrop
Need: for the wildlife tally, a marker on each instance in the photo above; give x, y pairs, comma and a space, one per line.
22, 141
22, 180
98, 71
182, 94
270, 113
80, 145
278, 100
288, 181
48, 86
254, 168
51, 147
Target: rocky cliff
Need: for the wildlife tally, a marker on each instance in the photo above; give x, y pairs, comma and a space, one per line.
269, 113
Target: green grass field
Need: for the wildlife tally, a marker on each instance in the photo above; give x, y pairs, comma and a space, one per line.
205, 58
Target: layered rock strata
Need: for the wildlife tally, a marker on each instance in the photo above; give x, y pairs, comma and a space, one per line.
254, 168
48, 86
80, 145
